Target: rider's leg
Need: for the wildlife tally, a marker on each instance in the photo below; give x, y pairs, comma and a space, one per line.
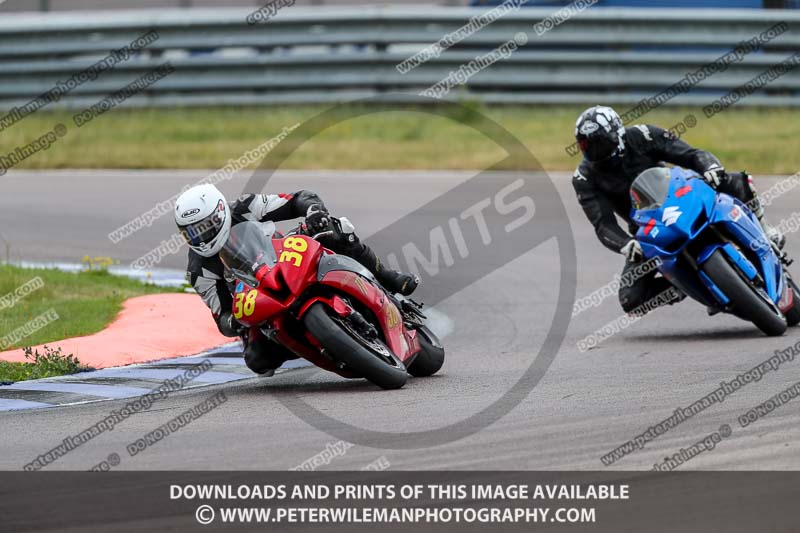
262, 355
345, 241
641, 291
740, 185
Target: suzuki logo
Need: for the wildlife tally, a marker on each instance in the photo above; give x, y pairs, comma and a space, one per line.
671, 215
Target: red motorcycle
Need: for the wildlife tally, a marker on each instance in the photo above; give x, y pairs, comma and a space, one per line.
327, 308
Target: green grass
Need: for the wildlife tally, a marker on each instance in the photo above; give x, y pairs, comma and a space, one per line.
50, 363
85, 302
758, 140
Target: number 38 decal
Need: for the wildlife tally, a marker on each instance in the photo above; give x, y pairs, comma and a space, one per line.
295, 246
244, 304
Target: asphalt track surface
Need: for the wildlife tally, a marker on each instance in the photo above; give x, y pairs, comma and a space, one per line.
587, 404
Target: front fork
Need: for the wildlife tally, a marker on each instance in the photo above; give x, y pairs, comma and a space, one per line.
783, 256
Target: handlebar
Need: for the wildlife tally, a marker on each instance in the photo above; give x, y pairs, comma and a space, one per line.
322, 234
300, 231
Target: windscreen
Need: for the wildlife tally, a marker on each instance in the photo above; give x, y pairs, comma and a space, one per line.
248, 248
650, 188
204, 231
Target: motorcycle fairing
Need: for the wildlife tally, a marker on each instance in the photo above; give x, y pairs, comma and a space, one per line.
280, 282
404, 346
331, 262
667, 229
689, 208
746, 230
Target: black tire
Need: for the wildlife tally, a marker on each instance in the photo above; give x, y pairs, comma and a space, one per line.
346, 346
746, 301
431, 358
793, 314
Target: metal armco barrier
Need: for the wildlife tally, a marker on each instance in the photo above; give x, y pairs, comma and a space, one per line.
313, 55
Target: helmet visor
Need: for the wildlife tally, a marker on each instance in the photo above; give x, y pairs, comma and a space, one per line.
599, 147
204, 231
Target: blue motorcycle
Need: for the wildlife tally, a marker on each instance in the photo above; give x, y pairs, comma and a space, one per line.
712, 248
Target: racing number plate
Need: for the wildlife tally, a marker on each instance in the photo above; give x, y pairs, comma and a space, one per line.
244, 303
293, 249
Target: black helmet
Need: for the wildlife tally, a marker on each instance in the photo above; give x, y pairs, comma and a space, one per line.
598, 132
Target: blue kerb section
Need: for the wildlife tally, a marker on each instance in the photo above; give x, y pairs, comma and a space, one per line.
66, 391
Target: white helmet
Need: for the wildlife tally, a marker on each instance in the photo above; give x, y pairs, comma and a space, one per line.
204, 219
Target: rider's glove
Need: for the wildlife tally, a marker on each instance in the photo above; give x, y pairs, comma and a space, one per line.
317, 219
714, 175
632, 251
228, 325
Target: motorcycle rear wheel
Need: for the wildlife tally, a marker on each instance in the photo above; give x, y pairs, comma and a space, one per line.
365, 357
746, 301
431, 358
793, 314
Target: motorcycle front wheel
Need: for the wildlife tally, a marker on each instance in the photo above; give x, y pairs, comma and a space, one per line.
367, 357
747, 301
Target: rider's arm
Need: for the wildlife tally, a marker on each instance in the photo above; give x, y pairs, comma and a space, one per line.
663, 145
205, 275
600, 213
275, 207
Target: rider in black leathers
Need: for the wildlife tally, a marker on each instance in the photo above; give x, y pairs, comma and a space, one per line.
613, 156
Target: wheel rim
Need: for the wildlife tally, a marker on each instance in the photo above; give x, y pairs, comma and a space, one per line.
375, 345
